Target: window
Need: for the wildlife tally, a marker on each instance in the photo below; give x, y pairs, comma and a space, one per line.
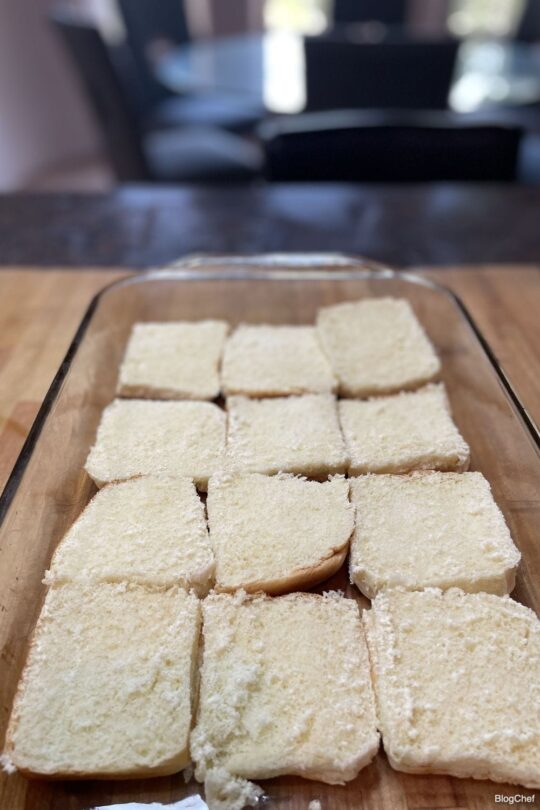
484, 17
304, 16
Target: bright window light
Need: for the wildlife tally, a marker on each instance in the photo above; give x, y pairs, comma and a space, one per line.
496, 18
303, 16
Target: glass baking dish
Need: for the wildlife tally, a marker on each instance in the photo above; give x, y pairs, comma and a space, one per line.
48, 487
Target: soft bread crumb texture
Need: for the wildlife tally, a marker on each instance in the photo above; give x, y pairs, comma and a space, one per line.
6, 764
457, 686
300, 435
226, 792
277, 533
178, 360
430, 529
376, 346
261, 361
401, 433
107, 688
285, 689
147, 437
151, 531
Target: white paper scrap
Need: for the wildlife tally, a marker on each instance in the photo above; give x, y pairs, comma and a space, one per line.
191, 803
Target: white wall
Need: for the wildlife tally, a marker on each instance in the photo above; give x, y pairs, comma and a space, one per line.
429, 15
44, 120
209, 18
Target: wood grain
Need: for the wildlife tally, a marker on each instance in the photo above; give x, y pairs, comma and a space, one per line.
38, 324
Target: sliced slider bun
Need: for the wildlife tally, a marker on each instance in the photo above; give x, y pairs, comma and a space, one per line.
108, 685
277, 533
456, 682
177, 360
285, 689
376, 346
430, 529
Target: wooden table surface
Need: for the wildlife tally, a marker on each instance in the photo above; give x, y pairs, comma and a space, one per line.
40, 311
136, 226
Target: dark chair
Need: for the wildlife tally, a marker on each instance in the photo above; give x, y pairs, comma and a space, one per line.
529, 26
389, 12
394, 74
182, 155
354, 147
151, 28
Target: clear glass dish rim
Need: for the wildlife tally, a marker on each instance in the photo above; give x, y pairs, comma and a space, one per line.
262, 267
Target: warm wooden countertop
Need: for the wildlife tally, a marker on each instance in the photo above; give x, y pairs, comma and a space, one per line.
40, 311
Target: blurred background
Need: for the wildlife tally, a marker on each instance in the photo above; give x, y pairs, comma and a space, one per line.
94, 93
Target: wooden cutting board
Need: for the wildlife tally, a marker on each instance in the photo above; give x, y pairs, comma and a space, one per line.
39, 313
41, 309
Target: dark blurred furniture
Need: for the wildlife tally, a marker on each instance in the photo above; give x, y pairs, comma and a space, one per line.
239, 65
389, 12
258, 66
394, 74
379, 148
171, 155
529, 25
152, 28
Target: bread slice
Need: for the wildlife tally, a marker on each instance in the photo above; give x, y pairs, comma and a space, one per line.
285, 689
409, 431
430, 529
456, 681
300, 435
268, 361
376, 346
141, 437
107, 689
277, 534
150, 531
173, 360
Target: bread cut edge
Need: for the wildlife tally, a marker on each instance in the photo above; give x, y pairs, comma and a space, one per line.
427, 463
351, 391
130, 391
498, 585
313, 472
467, 767
264, 392
201, 483
298, 579
330, 776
